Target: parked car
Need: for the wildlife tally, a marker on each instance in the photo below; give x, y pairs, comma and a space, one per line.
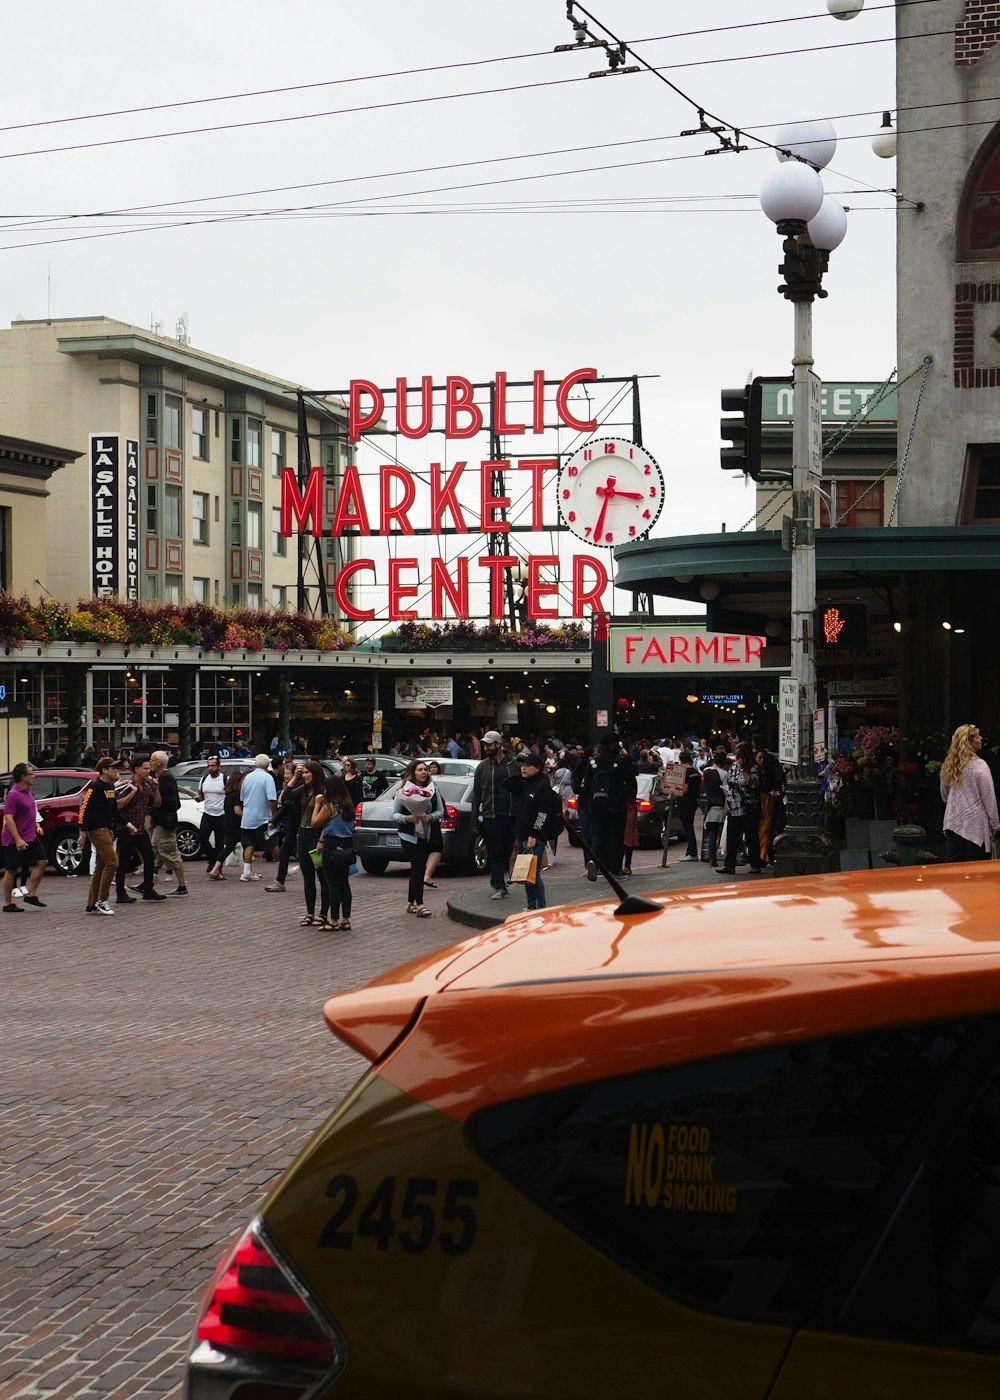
386, 763
377, 839
651, 807
746, 1146
192, 770
57, 792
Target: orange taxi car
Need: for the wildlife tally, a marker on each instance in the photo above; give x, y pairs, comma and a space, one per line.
744, 1145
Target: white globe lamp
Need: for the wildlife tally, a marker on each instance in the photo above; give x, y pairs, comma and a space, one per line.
845, 9
791, 196
826, 229
884, 141
811, 141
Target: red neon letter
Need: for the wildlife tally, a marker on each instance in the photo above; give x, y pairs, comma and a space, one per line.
344, 577
584, 597
631, 642
538, 466
500, 425
754, 647
654, 649
398, 590
497, 564
488, 502
706, 646
302, 507
441, 585
443, 497
389, 514
537, 588
562, 405
680, 647
731, 650
426, 408
538, 402
358, 421
350, 504
458, 399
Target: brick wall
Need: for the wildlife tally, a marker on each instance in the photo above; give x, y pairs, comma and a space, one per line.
977, 31
967, 296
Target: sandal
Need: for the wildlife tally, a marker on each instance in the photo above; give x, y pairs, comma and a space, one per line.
430, 885
422, 912
308, 921
342, 926
217, 877
411, 908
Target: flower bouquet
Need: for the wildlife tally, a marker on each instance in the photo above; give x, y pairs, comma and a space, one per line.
417, 800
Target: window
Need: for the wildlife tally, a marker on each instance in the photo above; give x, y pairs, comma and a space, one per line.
255, 442
151, 418
855, 503
199, 590
279, 543
199, 518
278, 459
255, 595
171, 420
704, 1178
234, 595
172, 588
235, 440
152, 515
279, 598
172, 512
199, 433
979, 208
254, 513
981, 503
235, 523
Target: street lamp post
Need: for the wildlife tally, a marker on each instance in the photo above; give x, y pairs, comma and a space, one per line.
811, 225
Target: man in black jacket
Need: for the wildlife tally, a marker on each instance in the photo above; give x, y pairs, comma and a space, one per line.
99, 820
492, 808
534, 801
608, 783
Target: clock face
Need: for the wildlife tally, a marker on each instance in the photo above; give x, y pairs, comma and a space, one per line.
610, 492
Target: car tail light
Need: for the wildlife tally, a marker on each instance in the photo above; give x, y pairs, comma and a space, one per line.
644, 805
258, 1332
357, 812
449, 822
571, 803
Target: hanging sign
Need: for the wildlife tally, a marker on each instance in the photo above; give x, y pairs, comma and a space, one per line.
104, 508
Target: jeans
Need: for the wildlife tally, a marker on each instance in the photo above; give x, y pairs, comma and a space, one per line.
337, 873
535, 894
714, 830
214, 827
499, 834
958, 848
416, 853
127, 843
686, 815
285, 853
736, 829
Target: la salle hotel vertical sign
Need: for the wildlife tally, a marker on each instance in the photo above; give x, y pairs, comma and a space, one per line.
107, 480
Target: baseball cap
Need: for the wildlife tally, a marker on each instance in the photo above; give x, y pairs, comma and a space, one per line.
492, 737
263, 760
526, 756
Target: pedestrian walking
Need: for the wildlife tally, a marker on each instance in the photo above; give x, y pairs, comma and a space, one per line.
772, 787
417, 807
492, 809
212, 792
607, 784
742, 785
232, 819
535, 806
163, 816
336, 843
687, 803
714, 795
136, 798
970, 800
289, 820
259, 800
99, 823
315, 813
21, 841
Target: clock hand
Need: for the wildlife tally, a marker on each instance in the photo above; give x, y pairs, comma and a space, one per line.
627, 495
604, 510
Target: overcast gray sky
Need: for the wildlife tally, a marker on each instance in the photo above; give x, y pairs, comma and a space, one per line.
651, 259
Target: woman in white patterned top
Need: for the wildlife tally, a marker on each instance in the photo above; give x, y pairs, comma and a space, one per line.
970, 812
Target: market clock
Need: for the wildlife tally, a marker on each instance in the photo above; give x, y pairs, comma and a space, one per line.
610, 492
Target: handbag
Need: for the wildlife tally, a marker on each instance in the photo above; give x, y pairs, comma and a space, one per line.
524, 869
317, 858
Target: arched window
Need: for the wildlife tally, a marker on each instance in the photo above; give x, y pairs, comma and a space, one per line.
979, 209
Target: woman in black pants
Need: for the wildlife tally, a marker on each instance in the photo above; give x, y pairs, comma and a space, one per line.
415, 830
315, 813
337, 845
232, 813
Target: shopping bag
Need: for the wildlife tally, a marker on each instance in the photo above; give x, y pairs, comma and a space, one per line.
523, 872
236, 858
317, 858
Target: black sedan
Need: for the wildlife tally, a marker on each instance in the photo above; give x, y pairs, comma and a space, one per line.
377, 839
651, 807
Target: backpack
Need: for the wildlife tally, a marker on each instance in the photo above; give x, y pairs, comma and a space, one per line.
601, 788
554, 825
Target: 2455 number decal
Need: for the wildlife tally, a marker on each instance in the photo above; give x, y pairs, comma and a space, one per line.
412, 1214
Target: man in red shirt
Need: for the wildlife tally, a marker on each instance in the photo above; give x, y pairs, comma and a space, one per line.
19, 842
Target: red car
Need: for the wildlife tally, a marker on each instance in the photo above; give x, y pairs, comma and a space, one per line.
57, 793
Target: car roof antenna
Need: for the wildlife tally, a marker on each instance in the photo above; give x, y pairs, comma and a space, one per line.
630, 903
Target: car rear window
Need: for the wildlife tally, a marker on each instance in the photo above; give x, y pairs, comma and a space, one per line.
735, 1184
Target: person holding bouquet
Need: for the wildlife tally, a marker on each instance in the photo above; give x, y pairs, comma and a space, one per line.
418, 808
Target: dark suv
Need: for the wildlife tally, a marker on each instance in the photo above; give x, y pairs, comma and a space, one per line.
57, 793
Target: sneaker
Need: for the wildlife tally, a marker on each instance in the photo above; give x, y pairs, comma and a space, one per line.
153, 894
101, 907
248, 878
499, 894
275, 887
591, 870
14, 909
293, 870
19, 892
126, 899
35, 901
689, 857
181, 889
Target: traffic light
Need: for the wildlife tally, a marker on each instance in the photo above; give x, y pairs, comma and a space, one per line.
840, 625
743, 432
